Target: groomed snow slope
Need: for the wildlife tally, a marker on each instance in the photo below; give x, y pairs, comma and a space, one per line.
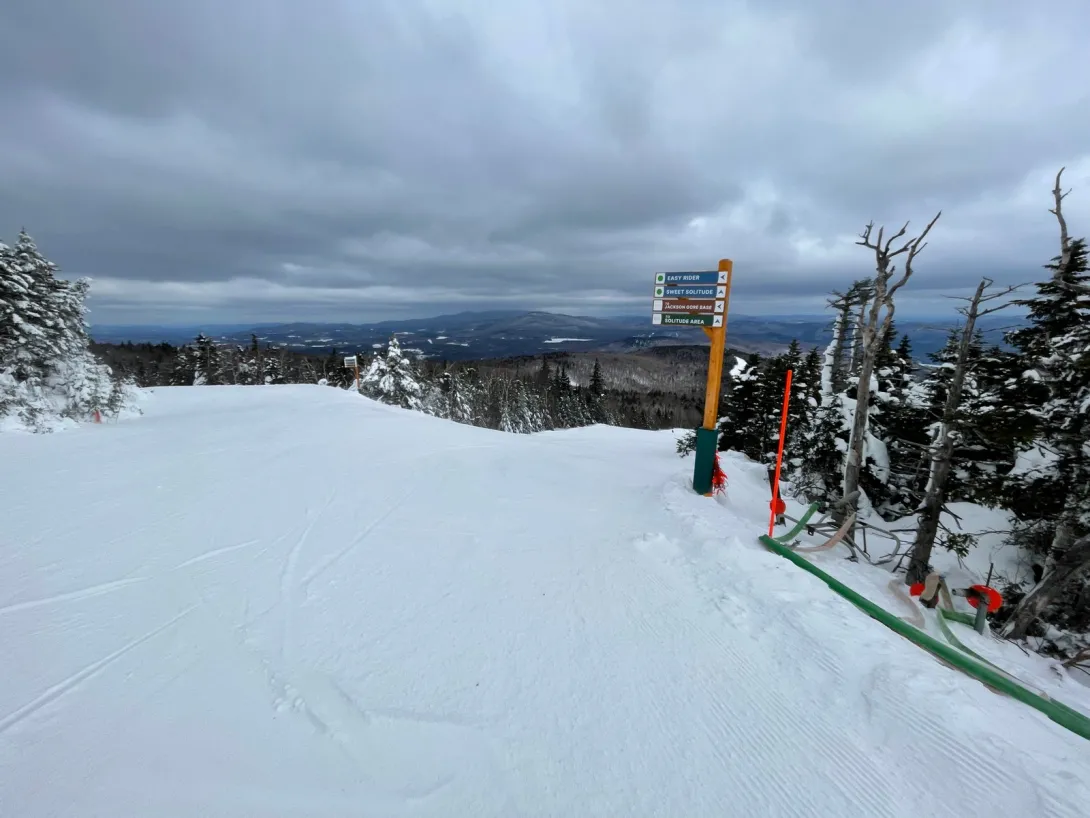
291, 601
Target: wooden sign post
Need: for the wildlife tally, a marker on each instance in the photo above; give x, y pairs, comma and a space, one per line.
700, 299
351, 362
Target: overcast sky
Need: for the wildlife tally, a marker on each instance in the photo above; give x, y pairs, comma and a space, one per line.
356, 160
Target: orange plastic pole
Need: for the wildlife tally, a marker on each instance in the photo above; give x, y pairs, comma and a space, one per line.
779, 456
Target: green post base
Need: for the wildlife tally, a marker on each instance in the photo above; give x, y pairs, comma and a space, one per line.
706, 442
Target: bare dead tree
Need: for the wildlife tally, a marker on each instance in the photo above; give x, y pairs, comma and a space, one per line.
943, 439
1079, 658
1067, 525
1067, 566
1058, 196
877, 320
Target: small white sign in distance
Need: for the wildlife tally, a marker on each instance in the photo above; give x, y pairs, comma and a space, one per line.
350, 362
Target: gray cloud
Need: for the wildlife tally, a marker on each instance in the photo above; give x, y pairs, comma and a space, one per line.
354, 161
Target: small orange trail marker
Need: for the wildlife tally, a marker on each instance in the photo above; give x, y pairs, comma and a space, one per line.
779, 459
98, 416
977, 592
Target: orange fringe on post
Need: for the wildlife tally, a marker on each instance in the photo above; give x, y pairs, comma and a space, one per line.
719, 477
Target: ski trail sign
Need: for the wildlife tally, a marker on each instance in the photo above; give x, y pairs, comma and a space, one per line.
699, 299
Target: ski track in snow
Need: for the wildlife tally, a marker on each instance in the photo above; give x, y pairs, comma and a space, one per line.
73, 596
553, 625
288, 585
215, 552
326, 563
72, 682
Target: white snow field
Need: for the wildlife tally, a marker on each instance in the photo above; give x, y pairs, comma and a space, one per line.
292, 601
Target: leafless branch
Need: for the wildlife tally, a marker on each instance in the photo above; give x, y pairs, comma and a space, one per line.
992, 296
914, 248
914, 445
883, 246
991, 310
982, 299
1082, 655
1005, 328
1057, 211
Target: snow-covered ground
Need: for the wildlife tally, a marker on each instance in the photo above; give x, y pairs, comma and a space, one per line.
992, 553
292, 601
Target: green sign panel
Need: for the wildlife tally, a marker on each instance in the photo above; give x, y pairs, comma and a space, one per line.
666, 319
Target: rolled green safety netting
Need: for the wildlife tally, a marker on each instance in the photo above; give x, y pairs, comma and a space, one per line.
1063, 715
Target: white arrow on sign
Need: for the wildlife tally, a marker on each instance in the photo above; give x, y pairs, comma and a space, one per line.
717, 321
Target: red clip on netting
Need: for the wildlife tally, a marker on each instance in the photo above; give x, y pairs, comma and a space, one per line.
719, 477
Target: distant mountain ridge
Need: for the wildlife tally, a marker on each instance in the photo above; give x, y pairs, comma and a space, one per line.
503, 333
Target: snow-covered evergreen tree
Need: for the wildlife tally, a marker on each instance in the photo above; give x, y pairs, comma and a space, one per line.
31, 334
999, 426
744, 417
453, 397
799, 411
274, 366
47, 370
184, 371
1049, 488
208, 360
596, 393
392, 378
900, 421
819, 474
986, 430
253, 368
803, 420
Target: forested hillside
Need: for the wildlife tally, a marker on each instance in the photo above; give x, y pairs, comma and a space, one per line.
659, 388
